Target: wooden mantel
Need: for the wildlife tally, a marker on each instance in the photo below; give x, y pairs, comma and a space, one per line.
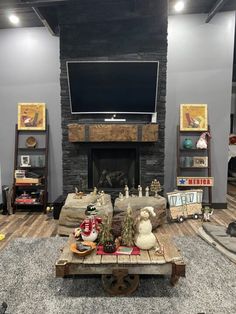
113, 132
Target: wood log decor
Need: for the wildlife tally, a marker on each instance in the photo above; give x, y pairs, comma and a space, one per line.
112, 132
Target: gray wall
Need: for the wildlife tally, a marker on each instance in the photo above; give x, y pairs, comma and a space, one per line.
233, 105
30, 70
0, 185
199, 71
200, 61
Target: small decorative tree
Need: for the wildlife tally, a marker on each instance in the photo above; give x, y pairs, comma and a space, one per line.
127, 233
156, 187
105, 231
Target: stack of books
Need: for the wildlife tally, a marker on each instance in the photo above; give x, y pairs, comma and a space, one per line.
27, 181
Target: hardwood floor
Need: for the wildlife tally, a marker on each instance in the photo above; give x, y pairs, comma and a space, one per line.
26, 224
34, 225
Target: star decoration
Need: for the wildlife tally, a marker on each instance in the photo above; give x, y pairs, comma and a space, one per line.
182, 181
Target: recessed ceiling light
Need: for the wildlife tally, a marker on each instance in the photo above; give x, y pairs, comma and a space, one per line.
14, 19
179, 6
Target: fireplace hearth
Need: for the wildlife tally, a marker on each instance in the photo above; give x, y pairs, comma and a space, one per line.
113, 168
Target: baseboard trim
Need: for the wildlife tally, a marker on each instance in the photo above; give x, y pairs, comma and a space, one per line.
219, 205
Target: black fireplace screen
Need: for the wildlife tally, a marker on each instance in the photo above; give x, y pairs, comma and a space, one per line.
113, 168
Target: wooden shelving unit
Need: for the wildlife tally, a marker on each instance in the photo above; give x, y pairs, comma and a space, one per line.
38, 191
183, 171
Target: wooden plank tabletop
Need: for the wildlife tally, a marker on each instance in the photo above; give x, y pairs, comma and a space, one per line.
155, 258
143, 258
171, 253
108, 259
123, 259
66, 254
150, 257
93, 258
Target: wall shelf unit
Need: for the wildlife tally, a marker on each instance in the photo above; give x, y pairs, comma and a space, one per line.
30, 187
187, 159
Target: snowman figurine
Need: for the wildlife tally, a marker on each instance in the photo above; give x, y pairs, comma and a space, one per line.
144, 238
90, 228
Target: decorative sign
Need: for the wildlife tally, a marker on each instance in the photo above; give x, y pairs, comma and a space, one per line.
195, 181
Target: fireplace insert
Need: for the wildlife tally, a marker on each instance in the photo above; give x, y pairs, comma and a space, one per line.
113, 168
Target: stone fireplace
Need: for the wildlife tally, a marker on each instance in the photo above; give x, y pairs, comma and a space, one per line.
112, 30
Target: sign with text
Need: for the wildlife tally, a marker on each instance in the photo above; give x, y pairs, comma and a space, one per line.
195, 181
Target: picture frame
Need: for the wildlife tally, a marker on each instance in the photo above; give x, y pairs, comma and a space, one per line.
32, 116
25, 161
200, 162
193, 117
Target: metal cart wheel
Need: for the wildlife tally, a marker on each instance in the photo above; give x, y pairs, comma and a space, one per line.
120, 282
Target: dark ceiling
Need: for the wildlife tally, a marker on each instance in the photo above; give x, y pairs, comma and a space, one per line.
203, 6
35, 13
32, 13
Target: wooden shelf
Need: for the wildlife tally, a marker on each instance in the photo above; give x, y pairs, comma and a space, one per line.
113, 132
26, 204
30, 168
194, 168
29, 185
42, 172
193, 152
31, 131
31, 149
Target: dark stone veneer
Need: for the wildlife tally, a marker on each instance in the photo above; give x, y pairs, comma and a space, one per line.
112, 30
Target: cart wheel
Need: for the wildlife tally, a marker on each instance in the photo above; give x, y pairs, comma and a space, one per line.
195, 216
120, 283
180, 219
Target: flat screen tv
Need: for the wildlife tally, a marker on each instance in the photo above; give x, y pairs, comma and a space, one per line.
128, 87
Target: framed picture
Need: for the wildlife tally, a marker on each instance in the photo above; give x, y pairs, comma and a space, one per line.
31, 116
25, 161
193, 117
200, 162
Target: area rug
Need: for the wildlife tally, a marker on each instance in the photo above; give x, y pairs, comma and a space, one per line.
28, 283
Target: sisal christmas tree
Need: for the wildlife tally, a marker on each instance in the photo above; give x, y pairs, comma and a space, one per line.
156, 187
127, 233
105, 231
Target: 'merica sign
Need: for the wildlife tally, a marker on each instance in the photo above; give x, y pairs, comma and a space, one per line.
195, 181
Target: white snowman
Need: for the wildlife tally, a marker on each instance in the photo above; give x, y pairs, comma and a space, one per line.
144, 238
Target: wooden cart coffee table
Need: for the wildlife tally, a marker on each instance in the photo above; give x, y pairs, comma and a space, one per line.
120, 274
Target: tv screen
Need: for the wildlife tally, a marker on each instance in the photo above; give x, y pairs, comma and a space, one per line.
113, 86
